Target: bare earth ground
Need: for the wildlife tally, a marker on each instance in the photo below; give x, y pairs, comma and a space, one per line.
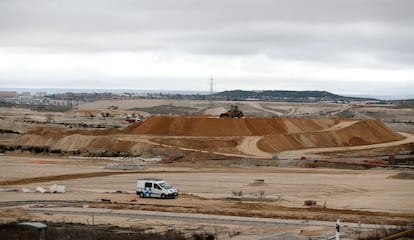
368, 196
274, 206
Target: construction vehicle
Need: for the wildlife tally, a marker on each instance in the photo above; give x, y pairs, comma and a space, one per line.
234, 112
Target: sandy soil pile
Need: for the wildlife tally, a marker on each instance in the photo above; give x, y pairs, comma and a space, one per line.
209, 126
360, 133
216, 134
279, 133
72, 140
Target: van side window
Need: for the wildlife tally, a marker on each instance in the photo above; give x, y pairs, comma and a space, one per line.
157, 187
148, 185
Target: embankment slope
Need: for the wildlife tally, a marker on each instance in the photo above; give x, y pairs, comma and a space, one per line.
270, 134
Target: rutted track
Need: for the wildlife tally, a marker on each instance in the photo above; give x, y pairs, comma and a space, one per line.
249, 147
161, 210
194, 217
75, 176
409, 138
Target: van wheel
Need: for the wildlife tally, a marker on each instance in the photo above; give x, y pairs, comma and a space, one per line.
141, 194
162, 196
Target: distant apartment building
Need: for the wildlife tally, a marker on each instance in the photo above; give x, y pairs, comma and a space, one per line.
8, 94
40, 94
25, 94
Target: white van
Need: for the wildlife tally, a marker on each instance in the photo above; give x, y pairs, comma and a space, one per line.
153, 187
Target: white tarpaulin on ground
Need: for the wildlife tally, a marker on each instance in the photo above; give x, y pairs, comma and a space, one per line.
57, 188
40, 189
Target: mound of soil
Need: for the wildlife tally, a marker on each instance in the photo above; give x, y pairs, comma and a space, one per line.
212, 126
361, 132
214, 144
279, 133
215, 134
166, 109
404, 175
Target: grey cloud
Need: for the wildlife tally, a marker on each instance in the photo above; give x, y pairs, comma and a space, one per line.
163, 14
310, 30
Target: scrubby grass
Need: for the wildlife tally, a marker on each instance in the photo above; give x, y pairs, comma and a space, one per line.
63, 231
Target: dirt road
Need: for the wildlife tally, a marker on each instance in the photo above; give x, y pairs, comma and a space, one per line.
209, 218
249, 147
258, 106
199, 218
316, 152
222, 227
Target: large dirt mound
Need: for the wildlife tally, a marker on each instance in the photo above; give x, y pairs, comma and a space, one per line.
245, 135
279, 134
210, 126
361, 132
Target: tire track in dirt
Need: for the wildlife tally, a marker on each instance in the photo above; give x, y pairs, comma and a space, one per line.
77, 176
249, 147
147, 140
258, 106
340, 125
409, 138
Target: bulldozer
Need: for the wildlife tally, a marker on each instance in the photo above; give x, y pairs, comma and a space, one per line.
234, 112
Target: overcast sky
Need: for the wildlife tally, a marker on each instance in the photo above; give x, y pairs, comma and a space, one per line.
363, 47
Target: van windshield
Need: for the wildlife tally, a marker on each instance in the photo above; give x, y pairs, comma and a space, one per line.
165, 185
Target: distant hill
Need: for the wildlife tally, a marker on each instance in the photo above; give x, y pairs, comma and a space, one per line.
283, 95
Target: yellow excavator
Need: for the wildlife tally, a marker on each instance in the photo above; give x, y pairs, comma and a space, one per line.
234, 112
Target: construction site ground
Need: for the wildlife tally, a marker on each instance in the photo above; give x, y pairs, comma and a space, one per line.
354, 196
238, 178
